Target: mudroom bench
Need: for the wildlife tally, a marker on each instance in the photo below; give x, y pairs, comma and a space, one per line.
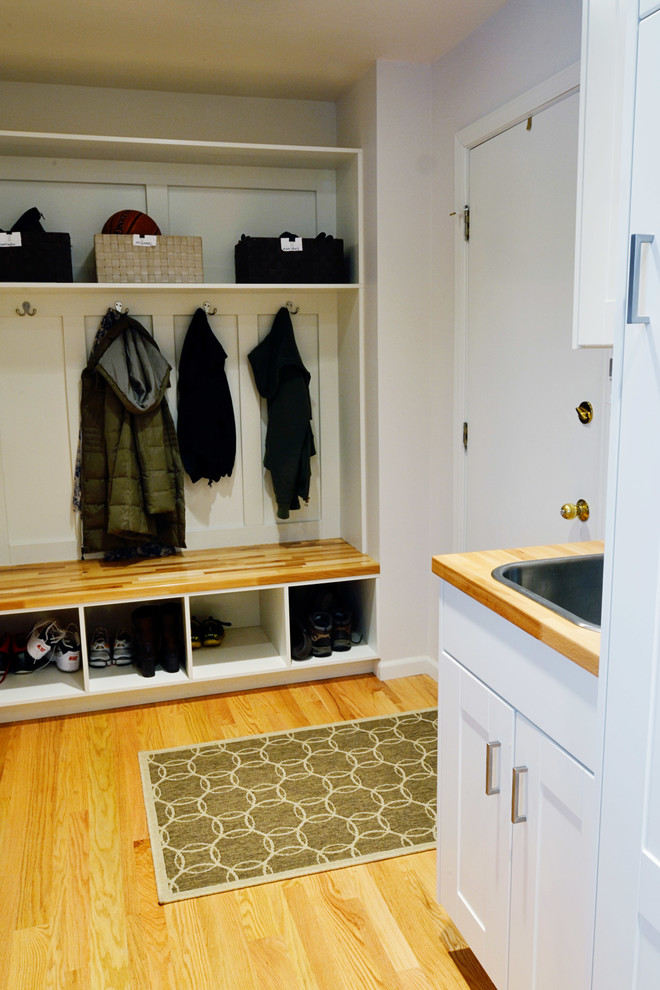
255, 588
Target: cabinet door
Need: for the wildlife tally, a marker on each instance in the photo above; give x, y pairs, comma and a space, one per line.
608, 57
553, 866
627, 947
474, 798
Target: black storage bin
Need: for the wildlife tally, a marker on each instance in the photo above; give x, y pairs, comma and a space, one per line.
263, 259
42, 257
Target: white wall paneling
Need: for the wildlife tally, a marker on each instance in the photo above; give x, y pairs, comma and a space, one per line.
42, 360
217, 202
36, 440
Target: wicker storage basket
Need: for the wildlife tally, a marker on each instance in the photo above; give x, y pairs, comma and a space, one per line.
42, 257
171, 259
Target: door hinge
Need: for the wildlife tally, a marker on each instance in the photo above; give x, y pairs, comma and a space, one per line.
466, 223
465, 436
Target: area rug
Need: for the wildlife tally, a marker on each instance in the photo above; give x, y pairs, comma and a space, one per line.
240, 812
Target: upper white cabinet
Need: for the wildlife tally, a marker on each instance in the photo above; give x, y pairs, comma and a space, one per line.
609, 30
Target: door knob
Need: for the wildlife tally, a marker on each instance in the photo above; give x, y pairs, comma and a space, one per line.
578, 510
585, 412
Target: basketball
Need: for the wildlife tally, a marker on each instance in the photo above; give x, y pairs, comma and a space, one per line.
130, 222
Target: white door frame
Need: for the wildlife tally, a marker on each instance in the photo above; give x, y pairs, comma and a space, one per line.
557, 88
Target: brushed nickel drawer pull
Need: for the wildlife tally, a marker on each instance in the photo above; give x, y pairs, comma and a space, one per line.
516, 817
492, 767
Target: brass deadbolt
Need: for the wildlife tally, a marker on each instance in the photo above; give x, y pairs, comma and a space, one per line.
585, 412
578, 510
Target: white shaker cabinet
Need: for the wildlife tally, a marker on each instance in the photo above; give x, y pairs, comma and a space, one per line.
627, 945
476, 753
609, 29
516, 809
551, 874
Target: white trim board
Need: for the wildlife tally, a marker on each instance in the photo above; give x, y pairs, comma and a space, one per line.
389, 670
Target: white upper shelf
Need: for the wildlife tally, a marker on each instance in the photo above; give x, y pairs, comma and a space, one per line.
92, 146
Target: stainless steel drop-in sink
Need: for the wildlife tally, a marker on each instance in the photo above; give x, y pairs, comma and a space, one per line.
570, 586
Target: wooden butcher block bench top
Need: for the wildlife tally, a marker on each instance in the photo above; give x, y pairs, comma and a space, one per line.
74, 582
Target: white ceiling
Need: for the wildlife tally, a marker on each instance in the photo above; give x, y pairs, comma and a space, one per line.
301, 49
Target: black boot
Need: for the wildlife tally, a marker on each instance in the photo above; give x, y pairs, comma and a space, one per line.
172, 650
147, 638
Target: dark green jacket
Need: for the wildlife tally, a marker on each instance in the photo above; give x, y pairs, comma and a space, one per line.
131, 471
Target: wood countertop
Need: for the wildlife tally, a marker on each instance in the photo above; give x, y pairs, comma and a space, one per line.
76, 582
471, 573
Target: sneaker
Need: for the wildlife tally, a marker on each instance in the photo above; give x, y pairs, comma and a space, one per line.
42, 639
195, 633
5, 655
213, 631
341, 630
123, 651
320, 631
99, 648
66, 652
22, 662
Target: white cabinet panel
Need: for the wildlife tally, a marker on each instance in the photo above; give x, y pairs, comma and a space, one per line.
552, 869
34, 434
609, 30
475, 834
627, 951
221, 216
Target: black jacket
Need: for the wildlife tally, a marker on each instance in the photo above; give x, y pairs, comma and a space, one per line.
283, 380
206, 427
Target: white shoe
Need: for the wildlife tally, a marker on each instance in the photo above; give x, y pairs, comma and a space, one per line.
66, 652
42, 639
122, 648
99, 648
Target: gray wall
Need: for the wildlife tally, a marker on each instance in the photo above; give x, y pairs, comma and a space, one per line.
186, 116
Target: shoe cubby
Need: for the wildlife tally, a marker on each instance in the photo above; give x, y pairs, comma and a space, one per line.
256, 640
122, 616
48, 682
255, 591
357, 597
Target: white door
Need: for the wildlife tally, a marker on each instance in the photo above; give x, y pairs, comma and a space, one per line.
627, 947
528, 452
476, 749
552, 867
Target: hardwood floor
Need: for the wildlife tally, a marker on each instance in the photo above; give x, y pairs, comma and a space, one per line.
78, 907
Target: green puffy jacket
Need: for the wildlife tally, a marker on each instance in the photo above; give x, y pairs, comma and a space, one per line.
131, 472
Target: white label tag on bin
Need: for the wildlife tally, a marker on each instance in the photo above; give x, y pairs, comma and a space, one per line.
11, 240
144, 240
291, 244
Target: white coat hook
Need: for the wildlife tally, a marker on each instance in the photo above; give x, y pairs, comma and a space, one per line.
27, 310
208, 310
289, 306
119, 306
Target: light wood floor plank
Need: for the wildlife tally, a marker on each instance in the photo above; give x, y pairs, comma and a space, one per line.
79, 907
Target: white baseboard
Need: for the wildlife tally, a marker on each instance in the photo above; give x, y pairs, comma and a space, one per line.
388, 670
